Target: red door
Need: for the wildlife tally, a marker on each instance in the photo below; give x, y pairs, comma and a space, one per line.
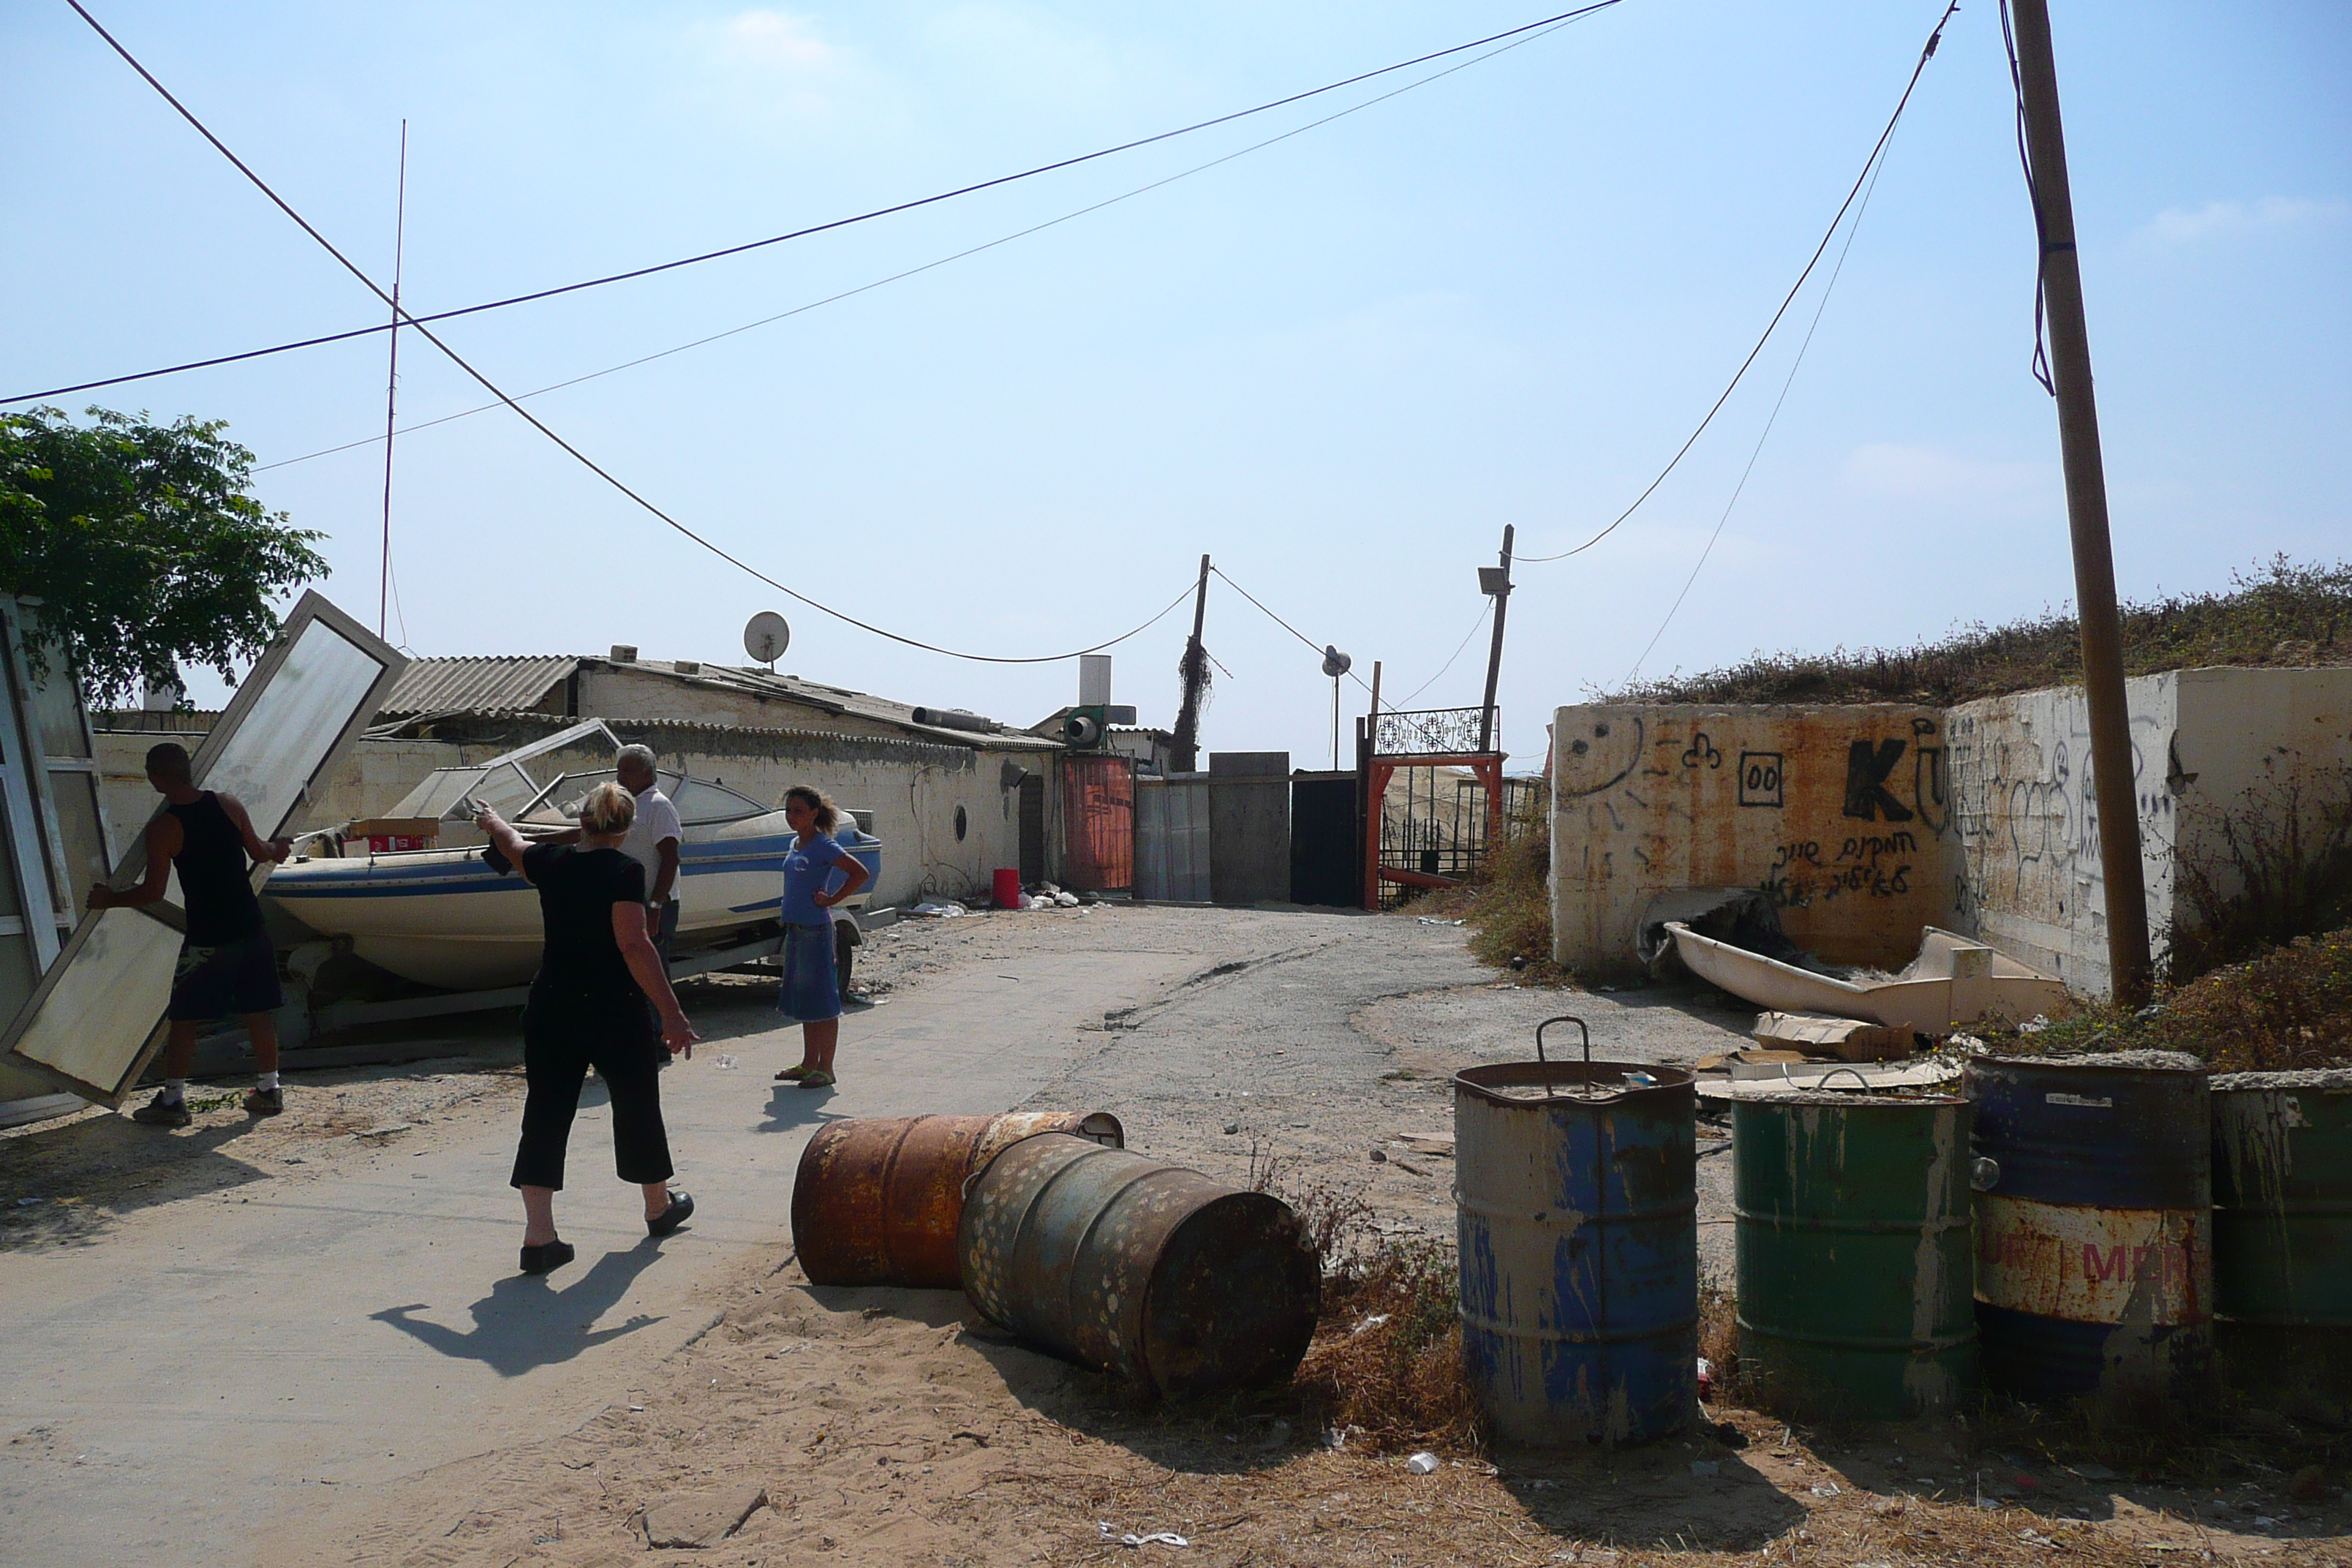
1099, 823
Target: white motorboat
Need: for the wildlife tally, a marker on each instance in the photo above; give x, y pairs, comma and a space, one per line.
442, 916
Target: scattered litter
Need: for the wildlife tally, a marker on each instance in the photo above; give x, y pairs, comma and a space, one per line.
1433, 920
2034, 1026
382, 1130
1157, 1538
1828, 1488
730, 1062
1066, 901
1706, 1467
938, 909
26, 1203
1422, 1464
1374, 1322
1706, 1385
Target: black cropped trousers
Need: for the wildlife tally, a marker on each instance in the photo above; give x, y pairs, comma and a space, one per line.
563, 1037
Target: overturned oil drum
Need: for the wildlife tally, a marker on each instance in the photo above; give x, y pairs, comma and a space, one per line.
2095, 1207
1152, 1272
877, 1198
2283, 1226
1855, 1281
1577, 1217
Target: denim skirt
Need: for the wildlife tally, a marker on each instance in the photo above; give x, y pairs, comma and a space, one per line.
810, 995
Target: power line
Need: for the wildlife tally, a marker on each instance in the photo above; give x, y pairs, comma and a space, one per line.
1926, 54
1278, 621
1483, 612
587, 461
943, 261
1773, 418
1541, 25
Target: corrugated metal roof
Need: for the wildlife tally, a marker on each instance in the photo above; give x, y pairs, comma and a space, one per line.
521, 681
461, 685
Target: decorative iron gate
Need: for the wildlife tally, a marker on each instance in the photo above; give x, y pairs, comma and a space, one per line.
1434, 801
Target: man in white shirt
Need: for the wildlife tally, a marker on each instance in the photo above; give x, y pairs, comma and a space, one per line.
653, 842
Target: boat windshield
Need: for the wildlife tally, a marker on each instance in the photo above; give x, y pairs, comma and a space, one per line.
700, 802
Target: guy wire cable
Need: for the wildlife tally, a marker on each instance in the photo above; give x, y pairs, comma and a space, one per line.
1926, 54
1544, 23
1278, 621
589, 463
928, 266
1771, 420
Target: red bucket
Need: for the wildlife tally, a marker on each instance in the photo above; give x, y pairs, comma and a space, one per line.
1007, 889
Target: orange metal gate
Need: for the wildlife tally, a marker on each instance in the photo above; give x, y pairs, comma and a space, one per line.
1099, 823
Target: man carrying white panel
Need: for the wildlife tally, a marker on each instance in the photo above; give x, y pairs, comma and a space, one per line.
226, 964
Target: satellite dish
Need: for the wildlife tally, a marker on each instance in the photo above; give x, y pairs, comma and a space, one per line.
766, 636
1335, 663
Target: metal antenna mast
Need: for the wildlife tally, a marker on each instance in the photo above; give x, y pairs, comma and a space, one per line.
392, 381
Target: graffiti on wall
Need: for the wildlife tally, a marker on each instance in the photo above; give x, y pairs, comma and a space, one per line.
2026, 810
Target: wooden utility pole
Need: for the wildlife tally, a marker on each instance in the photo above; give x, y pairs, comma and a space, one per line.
1185, 748
1497, 581
2086, 509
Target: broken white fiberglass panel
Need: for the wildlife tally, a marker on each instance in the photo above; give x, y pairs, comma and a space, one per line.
92, 1026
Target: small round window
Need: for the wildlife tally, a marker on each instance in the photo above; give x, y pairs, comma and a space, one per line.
963, 823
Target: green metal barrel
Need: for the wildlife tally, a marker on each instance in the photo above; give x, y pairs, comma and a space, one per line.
2283, 1226
1855, 1277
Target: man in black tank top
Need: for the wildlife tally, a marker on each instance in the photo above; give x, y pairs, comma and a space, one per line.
226, 964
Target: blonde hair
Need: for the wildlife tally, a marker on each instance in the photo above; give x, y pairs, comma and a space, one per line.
608, 809
828, 816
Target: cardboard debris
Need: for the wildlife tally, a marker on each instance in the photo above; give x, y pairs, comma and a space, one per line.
1846, 1040
1725, 1061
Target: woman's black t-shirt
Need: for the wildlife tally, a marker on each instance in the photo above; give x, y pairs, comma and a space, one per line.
577, 890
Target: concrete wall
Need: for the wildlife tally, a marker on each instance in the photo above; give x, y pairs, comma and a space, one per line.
913, 788
2208, 745
1868, 822
1839, 812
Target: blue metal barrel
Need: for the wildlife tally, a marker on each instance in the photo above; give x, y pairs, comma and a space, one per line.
1579, 1248
2094, 1218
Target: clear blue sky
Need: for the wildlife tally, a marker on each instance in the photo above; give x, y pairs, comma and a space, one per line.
1340, 365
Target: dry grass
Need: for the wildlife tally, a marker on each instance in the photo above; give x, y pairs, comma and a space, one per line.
1510, 909
1386, 1364
2279, 613
2290, 1008
2276, 867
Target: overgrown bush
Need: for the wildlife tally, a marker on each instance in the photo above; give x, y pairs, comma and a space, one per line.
1385, 1367
2280, 614
2277, 867
1509, 907
2290, 1008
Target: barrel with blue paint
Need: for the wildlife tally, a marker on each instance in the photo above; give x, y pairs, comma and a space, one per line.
2282, 1226
1853, 1251
2094, 1210
1579, 1248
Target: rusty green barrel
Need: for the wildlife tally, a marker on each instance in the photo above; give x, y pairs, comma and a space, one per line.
2095, 1222
1576, 1202
1158, 1274
1855, 1284
2282, 1224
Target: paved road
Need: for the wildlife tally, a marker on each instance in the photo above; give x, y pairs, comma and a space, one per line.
212, 1371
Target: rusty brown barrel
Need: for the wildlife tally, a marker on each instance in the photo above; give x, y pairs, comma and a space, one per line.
877, 1198
1152, 1272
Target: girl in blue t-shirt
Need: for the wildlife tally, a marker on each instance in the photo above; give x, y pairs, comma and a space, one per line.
811, 997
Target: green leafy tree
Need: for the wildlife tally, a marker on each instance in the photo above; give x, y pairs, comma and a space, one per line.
144, 544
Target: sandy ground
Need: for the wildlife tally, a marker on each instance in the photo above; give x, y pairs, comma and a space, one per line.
888, 1427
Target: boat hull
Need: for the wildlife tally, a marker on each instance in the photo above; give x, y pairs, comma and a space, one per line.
443, 917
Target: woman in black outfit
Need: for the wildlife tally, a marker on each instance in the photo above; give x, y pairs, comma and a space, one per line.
588, 1006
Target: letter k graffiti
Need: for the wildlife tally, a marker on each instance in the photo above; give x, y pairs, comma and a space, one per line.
1866, 770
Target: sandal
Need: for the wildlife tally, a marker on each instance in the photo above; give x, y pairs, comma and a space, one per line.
794, 1074
817, 1078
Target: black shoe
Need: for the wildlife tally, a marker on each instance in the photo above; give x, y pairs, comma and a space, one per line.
541, 1260
680, 1210
265, 1101
162, 1113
